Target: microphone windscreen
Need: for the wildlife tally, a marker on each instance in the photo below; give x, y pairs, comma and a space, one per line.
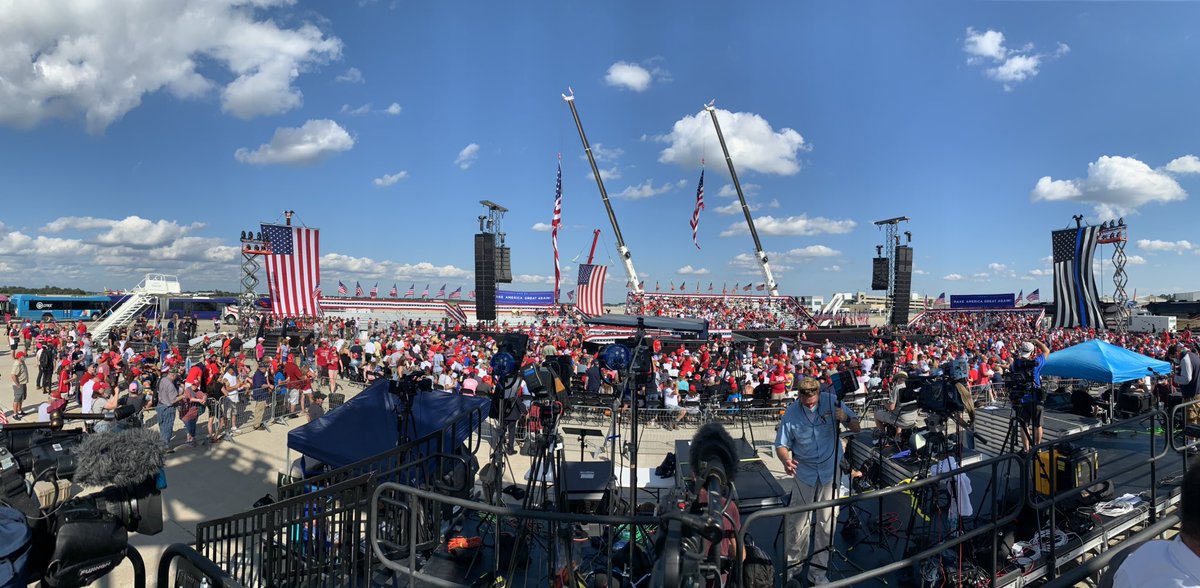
712, 442
121, 458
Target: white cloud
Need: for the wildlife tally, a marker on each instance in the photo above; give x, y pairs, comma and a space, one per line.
426, 269
774, 203
541, 227
314, 141
920, 272
1135, 260
346, 265
389, 179
644, 190
953, 277
809, 252
1041, 272
753, 144
832, 268
195, 249
997, 267
1002, 64
466, 158
78, 223
1167, 246
980, 277
792, 226
364, 109
612, 173
25, 246
351, 76
365, 266
132, 231
749, 189
99, 59
1188, 164
988, 44
630, 76
393, 108
604, 154
688, 270
1116, 185
735, 207
533, 279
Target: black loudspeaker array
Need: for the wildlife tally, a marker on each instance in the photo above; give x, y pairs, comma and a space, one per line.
503, 265
904, 261
485, 277
879, 273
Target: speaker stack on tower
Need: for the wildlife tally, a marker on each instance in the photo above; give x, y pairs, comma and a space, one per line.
485, 277
903, 291
879, 273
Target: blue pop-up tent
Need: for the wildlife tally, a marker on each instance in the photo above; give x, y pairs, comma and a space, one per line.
366, 425
1098, 361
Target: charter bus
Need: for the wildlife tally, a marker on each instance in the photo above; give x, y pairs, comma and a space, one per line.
201, 308
60, 308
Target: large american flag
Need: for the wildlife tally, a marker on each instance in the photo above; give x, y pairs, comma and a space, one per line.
699, 206
591, 289
1076, 303
554, 224
293, 269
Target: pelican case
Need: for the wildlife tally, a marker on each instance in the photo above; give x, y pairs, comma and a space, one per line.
1071, 468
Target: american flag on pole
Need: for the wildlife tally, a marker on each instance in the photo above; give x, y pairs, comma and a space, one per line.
471, 294
375, 290
1076, 303
699, 206
760, 287
571, 295
735, 286
412, 291
317, 291
656, 287
682, 285
441, 293
591, 289
941, 299
1020, 295
456, 294
358, 289
342, 290
554, 224
455, 312
710, 288
1034, 297
293, 269
395, 291
747, 287
425, 292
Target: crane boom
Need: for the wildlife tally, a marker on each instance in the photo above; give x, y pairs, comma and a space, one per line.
626, 257
772, 287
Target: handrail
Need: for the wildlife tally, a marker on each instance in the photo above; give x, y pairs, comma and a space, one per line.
1095, 564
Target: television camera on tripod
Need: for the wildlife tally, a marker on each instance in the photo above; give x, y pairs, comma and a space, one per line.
76, 541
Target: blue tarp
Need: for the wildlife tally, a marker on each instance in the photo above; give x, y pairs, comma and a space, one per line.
1098, 361
366, 425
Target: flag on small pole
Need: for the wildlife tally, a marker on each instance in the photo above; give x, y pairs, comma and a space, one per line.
412, 291
1033, 296
395, 291
457, 294
375, 290
441, 293
342, 290
571, 295
656, 287
555, 221
1020, 295
358, 289
941, 299
425, 292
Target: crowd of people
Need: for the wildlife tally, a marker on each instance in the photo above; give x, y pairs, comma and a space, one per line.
723, 312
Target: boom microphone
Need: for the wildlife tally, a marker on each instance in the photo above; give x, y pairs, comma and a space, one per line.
713, 453
122, 458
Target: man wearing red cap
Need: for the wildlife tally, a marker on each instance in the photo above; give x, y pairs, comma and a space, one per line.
20, 380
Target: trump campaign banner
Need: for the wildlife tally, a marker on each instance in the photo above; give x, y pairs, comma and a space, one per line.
983, 300
525, 298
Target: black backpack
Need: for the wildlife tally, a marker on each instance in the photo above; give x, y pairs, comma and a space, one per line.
758, 571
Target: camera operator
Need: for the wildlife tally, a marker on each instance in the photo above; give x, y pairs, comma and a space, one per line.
1187, 377
808, 445
1031, 411
895, 412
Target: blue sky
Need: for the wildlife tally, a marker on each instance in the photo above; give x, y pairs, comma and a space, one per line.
144, 138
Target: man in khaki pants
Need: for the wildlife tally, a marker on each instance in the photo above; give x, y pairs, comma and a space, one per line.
20, 382
260, 393
808, 446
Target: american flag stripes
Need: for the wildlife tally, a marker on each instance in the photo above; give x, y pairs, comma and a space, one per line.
699, 206
747, 287
455, 312
555, 221
412, 291
441, 293
358, 291
342, 290
293, 269
375, 290
1076, 303
571, 295
1020, 295
395, 291
941, 299
471, 294
1034, 296
425, 292
591, 289
456, 294
317, 291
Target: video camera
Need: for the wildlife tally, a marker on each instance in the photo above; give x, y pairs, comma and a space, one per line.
77, 541
936, 394
1020, 385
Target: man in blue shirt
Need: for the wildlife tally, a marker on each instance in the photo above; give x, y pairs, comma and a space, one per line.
1032, 411
808, 446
